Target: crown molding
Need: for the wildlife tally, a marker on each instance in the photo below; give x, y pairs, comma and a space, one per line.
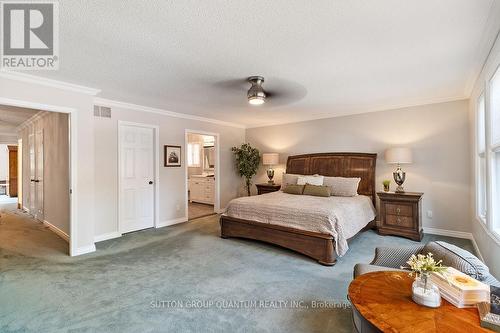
116, 104
485, 45
375, 109
31, 120
48, 82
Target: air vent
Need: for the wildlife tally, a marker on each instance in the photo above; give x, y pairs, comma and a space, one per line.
102, 111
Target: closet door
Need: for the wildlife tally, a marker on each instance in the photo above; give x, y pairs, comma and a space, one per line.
32, 189
39, 160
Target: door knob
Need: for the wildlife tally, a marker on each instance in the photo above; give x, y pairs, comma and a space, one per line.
150, 182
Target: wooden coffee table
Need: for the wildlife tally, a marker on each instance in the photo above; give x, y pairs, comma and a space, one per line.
383, 300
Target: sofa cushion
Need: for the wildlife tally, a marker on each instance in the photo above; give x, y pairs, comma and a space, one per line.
453, 256
360, 269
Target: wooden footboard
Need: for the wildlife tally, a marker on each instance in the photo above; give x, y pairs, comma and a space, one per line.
315, 245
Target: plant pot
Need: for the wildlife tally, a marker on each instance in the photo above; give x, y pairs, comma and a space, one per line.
425, 293
386, 187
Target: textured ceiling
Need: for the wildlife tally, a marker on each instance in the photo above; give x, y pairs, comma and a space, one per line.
11, 117
331, 57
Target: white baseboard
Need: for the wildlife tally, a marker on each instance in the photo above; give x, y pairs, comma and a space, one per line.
84, 250
171, 222
457, 234
57, 231
449, 233
109, 235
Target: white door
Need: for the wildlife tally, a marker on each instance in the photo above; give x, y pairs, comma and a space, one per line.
39, 174
136, 165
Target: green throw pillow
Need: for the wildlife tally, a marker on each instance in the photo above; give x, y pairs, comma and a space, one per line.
294, 189
317, 190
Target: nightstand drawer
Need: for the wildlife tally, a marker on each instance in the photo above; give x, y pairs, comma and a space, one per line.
399, 209
400, 221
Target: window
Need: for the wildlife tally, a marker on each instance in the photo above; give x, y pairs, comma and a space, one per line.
481, 204
494, 150
193, 154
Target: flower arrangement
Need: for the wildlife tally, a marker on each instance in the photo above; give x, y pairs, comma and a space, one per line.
423, 265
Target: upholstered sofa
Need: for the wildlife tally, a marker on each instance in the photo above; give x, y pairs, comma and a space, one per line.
387, 258
390, 259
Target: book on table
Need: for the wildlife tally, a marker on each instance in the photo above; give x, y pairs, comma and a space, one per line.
460, 289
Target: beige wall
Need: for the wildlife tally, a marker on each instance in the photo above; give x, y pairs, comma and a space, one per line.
438, 135
172, 180
56, 177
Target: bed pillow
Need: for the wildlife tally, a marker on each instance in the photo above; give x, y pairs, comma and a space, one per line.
317, 190
289, 178
311, 180
294, 189
341, 186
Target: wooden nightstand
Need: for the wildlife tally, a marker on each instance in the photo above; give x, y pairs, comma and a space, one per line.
267, 188
401, 214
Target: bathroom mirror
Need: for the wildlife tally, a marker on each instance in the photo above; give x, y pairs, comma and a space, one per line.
208, 158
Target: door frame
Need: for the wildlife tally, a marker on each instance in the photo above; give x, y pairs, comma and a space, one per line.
156, 164
73, 153
216, 173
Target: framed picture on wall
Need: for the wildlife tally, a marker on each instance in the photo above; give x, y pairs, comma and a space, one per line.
172, 156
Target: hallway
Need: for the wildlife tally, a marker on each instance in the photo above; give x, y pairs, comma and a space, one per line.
20, 234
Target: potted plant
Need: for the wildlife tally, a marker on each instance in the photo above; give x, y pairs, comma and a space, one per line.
247, 162
386, 184
424, 292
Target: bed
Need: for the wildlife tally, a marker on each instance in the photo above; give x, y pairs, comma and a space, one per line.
315, 226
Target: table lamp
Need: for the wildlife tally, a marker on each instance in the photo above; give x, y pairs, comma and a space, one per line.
270, 159
399, 155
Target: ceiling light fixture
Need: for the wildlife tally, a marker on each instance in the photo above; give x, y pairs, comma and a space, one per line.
256, 94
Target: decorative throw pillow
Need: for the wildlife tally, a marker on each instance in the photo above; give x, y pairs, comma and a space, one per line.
317, 190
458, 258
312, 180
294, 189
289, 178
341, 186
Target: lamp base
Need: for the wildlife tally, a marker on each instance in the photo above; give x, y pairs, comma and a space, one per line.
270, 175
399, 178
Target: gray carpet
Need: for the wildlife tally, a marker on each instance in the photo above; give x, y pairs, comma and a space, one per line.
138, 283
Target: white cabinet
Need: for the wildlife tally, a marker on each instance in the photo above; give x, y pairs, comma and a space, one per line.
202, 189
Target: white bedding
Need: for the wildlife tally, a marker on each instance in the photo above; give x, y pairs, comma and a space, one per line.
341, 217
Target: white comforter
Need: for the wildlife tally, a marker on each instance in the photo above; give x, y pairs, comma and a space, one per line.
341, 217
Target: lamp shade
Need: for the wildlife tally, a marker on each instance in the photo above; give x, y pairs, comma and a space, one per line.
270, 158
398, 155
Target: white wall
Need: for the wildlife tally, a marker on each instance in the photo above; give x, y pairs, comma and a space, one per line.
488, 244
438, 135
172, 180
24, 92
4, 162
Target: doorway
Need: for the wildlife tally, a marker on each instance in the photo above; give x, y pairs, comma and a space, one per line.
202, 190
8, 173
138, 176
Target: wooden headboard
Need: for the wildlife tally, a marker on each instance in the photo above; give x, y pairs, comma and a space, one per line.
338, 165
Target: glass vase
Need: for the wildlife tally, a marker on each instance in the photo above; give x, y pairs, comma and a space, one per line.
425, 293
